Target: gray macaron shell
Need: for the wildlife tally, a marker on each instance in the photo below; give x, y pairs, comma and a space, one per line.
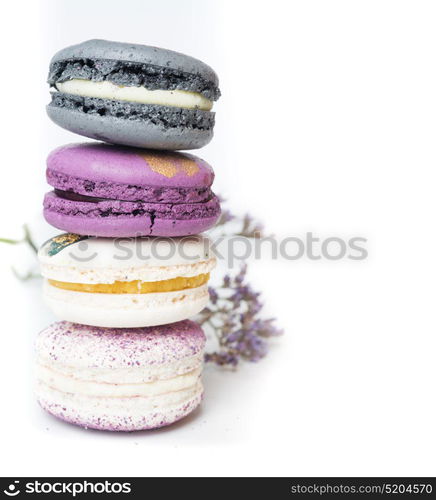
137, 133
143, 54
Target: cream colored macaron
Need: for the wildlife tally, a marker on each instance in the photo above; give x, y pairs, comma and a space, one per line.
126, 283
116, 379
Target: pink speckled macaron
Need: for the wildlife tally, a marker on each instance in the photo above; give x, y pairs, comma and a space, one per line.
120, 379
115, 191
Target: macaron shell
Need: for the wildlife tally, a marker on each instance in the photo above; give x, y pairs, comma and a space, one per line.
82, 259
129, 227
130, 219
104, 163
135, 53
126, 192
83, 348
125, 310
147, 131
122, 415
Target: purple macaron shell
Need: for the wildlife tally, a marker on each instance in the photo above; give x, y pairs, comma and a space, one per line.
119, 219
126, 192
129, 192
106, 163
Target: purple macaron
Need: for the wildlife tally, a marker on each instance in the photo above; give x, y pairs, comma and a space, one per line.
115, 191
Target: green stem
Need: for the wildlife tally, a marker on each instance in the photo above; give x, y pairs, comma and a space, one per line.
9, 241
28, 239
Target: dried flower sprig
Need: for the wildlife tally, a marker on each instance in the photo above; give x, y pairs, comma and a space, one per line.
234, 317
234, 311
233, 225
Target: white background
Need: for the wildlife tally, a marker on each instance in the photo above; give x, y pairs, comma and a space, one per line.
326, 124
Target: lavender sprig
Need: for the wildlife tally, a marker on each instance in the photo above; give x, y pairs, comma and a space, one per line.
249, 227
234, 317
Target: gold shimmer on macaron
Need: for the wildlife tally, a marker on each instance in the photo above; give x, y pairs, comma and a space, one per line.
170, 164
188, 166
62, 241
136, 286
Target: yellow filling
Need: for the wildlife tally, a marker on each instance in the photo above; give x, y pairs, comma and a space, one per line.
135, 286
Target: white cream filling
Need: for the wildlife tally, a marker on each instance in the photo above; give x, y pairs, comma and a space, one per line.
108, 90
70, 384
117, 407
145, 373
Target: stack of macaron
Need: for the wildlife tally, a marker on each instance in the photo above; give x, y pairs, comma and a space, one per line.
131, 266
